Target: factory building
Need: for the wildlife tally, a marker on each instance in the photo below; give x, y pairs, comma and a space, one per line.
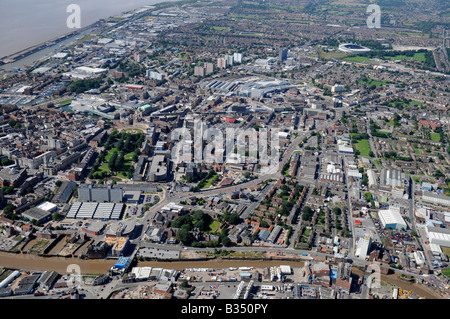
90, 193
391, 218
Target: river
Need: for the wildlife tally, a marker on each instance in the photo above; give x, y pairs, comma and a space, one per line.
25, 23
59, 264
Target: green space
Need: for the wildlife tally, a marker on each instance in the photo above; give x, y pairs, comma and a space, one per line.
64, 103
360, 59
363, 147
214, 226
120, 151
420, 57
435, 137
372, 82
226, 29
401, 103
211, 181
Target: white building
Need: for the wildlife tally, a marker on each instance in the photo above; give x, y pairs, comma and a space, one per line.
436, 199
438, 236
363, 247
237, 57
391, 218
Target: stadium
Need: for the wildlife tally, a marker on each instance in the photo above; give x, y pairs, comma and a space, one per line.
352, 48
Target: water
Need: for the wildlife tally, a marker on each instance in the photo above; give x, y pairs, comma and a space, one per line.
25, 23
59, 264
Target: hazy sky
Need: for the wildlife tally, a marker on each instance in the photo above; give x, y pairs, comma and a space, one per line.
24, 23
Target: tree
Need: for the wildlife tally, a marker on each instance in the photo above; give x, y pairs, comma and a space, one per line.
120, 160
183, 236
307, 213
56, 216
225, 240
112, 161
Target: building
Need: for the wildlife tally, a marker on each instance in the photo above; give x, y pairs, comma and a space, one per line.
274, 234
95, 210
436, 199
363, 247
222, 63
392, 219
155, 234
158, 169
209, 67
37, 214
12, 176
64, 192
237, 57
199, 70
91, 193
283, 54
47, 279
438, 236
118, 245
26, 285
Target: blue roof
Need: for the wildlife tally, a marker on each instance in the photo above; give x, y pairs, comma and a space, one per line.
122, 262
333, 274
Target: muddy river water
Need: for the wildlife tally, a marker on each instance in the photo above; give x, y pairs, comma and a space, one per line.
59, 264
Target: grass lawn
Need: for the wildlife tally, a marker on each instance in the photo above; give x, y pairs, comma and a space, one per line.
211, 181
374, 82
128, 162
416, 150
435, 137
214, 226
420, 57
417, 179
68, 102
446, 271
363, 147
360, 59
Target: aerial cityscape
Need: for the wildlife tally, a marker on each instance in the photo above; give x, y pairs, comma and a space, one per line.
244, 150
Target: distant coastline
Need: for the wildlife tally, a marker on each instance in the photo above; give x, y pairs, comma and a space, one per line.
52, 42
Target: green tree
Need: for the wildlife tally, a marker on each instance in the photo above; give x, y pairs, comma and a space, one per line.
112, 161
183, 236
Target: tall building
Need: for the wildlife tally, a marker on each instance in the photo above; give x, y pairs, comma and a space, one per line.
209, 67
199, 70
283, 54
230, 59
222, 63
137, 57
237, 57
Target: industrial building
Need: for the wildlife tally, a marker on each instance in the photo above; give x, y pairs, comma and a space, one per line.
37, 214
438, 236
395, 182
64, 192
47, 279
391, 218
96, 210
436, 199
91, 193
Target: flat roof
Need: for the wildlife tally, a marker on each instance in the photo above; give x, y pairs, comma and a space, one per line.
391, 216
